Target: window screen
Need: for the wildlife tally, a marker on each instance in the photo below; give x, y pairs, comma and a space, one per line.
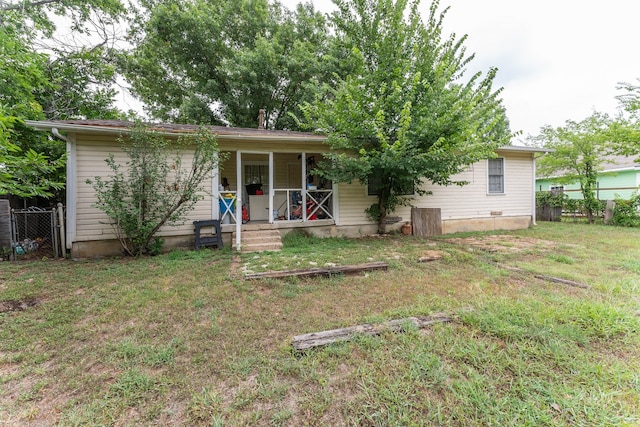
496, 175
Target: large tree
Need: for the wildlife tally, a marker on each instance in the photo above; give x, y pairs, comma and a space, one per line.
578, 156
220, 62
45, 77
60, 57
24, 172
625, 129
404, 115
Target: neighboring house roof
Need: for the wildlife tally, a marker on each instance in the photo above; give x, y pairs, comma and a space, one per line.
117, 127
611, 164
620, 163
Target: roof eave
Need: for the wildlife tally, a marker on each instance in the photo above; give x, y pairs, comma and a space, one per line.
231, 136
524, 149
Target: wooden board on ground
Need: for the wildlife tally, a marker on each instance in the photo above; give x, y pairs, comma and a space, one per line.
546, 278
5, 224
317, 339
321, 271
560, 280
431, 256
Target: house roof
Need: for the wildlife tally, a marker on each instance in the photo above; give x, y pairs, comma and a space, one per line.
524, 149
117, 127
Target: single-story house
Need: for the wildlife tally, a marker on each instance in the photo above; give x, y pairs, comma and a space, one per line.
619, 178
266, 172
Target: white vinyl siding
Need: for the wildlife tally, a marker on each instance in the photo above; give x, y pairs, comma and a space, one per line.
467, 202
496, 176
92, 223
456, 202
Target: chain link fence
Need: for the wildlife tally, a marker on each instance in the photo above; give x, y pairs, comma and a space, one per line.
36, 233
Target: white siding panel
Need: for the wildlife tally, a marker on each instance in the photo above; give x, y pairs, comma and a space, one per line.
353, 200
473, 201
92, 223
457, 202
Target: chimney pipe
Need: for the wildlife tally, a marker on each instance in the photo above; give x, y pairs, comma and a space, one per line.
261, 119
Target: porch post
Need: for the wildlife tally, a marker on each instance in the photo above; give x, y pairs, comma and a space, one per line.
238, 198
304, 186
215, 181
271, 188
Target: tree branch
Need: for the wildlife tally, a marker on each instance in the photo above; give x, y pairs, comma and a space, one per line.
7, 7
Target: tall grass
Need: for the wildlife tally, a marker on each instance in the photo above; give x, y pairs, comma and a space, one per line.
179, 339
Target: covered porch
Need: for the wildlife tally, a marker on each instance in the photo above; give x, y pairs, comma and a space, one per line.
256, 190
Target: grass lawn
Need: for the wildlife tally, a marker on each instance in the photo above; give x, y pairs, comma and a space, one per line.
181, 339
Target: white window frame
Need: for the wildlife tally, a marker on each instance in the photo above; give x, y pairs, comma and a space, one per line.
504, 174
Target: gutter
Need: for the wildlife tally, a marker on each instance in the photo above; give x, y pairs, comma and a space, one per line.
232, 136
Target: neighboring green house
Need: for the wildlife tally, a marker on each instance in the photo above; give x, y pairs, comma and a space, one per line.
620, 178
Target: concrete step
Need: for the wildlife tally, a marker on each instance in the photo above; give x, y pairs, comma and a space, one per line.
259, 240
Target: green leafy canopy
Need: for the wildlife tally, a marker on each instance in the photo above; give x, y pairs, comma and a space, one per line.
579, 150
404, 114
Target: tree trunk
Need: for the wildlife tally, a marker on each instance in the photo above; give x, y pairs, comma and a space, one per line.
382, 221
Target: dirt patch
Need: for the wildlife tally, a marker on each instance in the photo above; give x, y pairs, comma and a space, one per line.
430, 255
503, 243
235, 269
17, 305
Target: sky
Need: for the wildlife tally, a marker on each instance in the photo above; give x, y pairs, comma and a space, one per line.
557, 60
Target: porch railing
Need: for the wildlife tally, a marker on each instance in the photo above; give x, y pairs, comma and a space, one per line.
288, 203
321, 203
228, 208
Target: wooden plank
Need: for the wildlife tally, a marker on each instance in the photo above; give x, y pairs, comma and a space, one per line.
430, 256
5, 224
317, 339
546, 278
426, 222
608, 212
321, 271
560, 280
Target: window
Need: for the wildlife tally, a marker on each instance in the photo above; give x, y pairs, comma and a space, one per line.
373, 188
496, 176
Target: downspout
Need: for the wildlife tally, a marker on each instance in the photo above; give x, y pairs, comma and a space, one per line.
58, 135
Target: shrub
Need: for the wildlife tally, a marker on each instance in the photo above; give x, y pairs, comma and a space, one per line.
154, 188
551, 198
625, 213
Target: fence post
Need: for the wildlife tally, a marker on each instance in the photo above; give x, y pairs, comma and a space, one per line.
63, 238
5, 228
54, 234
